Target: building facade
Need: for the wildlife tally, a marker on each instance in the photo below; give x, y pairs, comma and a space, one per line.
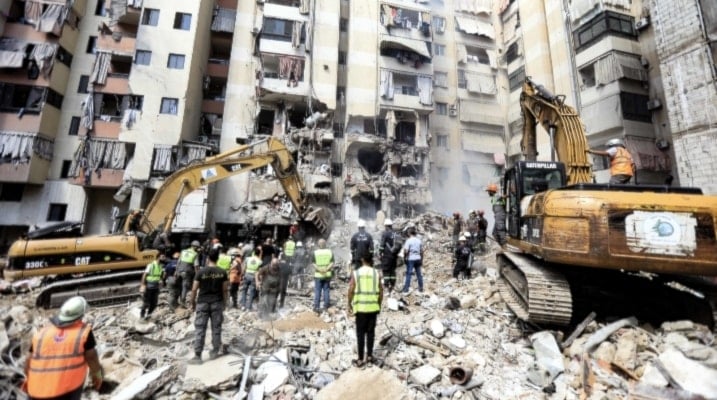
395, 106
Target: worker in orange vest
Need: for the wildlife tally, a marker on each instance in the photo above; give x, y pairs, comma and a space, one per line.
622, 167
61, 354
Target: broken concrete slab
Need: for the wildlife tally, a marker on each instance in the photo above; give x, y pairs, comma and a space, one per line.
690, 375
365, 384
274, 371
140, 384
213, 374
424, 375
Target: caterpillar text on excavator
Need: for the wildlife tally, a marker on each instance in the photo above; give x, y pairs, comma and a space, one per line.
570, 239
106, 268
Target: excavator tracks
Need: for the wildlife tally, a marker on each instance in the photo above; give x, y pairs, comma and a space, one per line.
98, 290
533, 292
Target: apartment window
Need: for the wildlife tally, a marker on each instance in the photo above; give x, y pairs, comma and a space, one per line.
369, 125
91, 45
442, 108
64, 56
343, 24
11, 191
439, 24
74, 126
634, 107
57, 212
150, 17
342, 58
605, 23
587, 76
53, 98
462, 81
169, 106
442, 141
439, 49
440, 79
100, 8
477, 55
142, 57
84, 82
175, 61
20, 97
516, 79
65, 171
512, 52
277, 29
182, 21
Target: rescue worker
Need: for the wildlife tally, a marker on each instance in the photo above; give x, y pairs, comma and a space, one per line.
224, 261
472, 228
251, 267
149, 287
365, 296
323, 266
187, 267
209, 298
457, 227
269, 252
169, 270
235, 275
498, 203
413, 254
289, 249
285, 275
361, 244
269, 280
462, 258
298, 265
389, 248
61, 354
482, 233
622, 167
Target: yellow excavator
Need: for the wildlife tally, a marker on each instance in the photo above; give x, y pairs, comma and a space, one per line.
570, 241
106, 268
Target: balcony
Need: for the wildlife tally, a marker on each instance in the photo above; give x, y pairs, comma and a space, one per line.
25, 158
230, 4
107, 129
406, 91
218, 68
115, 84
99, 178
24, 32
213, 106
125, 45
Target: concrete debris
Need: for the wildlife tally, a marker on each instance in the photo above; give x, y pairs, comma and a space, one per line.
302, 355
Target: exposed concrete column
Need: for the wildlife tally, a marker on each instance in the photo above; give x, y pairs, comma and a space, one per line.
136, 200
538, 61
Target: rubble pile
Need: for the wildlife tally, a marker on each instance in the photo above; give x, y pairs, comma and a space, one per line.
455, 340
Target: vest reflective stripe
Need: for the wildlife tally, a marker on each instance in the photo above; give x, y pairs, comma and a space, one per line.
188, 256
497, 200
155, 273
289, 248
322, 259
224, 262
366, 290
57, 364
253, 264
621, 164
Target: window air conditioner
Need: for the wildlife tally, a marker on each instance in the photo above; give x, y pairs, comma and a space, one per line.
453, 110
642, 23
654, 104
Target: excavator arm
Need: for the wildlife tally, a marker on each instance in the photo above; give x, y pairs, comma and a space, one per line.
160, 212
562, 122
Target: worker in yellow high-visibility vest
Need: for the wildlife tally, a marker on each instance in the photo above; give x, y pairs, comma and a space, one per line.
365, 296
323, 268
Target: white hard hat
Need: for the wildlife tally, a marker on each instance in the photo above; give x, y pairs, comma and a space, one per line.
466, 235
361, 224
72, 309
388, 222
614, 142
233, 251
299, 244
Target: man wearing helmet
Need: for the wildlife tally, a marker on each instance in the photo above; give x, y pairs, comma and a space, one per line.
482, 233
187, 267
60, 355
462, 257
498, 203
622, 167
361, 244
389, 248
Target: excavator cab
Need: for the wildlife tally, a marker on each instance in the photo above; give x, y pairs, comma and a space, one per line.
528, 178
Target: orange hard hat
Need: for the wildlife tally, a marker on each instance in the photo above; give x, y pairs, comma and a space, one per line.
492, 188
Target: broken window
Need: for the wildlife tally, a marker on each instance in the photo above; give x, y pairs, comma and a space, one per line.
406, 132
368, 206
370, 159
512, 53
477, 55
57, 212
265, 122
409, 171
587, 76
16, 97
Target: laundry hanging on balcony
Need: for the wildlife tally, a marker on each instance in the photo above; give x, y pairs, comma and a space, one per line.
303, 6
425, 90
386, 85
473, 6
296, 34
33, 12
100, 68
19, 147
473, 26
162, 158
52, 19
479, 83
88, 111
93, 154
224, 20
12, 52
118, 9
291, 68
44, 56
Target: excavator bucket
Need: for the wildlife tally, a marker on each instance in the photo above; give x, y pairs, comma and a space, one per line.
321, 218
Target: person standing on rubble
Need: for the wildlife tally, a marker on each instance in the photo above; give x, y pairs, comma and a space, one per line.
289, 249
457, 227
209, 298
365, 296
61, 354
251, 267
323, 268
187, 267
413, 254
269, 252
499, 213
149, 287
298, 265
482, 233
361, 244
235, 274
462, 258
622, 166
269, 280
472, 227
285, 275
389, 248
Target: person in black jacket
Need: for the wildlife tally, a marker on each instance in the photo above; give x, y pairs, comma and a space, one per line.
389, 248
361, 245
462, 258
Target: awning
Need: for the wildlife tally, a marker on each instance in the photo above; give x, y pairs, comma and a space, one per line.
482, 142
646, 155
474, 26
473, 6
616, 66
480, 83
415, 46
